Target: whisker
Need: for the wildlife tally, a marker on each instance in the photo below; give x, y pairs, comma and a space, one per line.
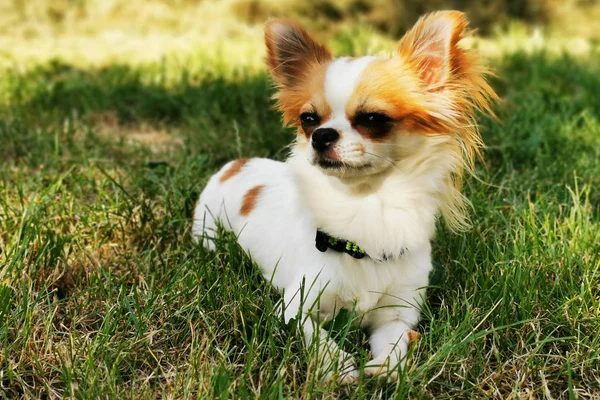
384, 159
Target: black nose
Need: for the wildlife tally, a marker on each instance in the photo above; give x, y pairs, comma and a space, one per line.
323, 138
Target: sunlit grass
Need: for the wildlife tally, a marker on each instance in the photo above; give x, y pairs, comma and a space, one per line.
96, 33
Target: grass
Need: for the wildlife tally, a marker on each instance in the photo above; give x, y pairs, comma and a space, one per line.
102, 293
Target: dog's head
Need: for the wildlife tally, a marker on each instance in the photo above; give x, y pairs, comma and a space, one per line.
357, 116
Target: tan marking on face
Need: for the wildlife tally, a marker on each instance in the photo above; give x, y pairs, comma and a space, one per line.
307, 95
392, 87
249, 201
234, 169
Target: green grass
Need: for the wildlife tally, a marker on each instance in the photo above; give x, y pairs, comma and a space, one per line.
102, 293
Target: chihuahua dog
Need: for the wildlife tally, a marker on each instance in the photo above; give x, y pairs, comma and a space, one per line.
347, 220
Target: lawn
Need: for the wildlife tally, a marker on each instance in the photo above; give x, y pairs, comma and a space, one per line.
103, 294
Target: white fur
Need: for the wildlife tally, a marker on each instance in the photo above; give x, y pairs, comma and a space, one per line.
340, 81
391, 209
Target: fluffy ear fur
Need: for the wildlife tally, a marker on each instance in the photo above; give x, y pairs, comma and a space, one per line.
290, 50
431, 46
453, 76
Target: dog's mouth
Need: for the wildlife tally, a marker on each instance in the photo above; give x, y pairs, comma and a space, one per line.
328, 163
332, 164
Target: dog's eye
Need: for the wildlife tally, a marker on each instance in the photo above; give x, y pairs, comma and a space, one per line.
372, 120
309, 119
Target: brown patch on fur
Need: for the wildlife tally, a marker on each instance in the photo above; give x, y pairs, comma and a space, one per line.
298, 65
234, 169
413, 337
249, 201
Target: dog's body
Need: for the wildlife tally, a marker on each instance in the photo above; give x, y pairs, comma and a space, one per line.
381, 143
280, 236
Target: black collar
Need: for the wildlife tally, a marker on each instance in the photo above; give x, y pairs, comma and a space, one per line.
323, 242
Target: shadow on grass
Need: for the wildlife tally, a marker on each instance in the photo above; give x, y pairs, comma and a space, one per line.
224, 117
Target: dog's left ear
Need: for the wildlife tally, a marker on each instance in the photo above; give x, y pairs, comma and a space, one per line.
290, 49
431, 46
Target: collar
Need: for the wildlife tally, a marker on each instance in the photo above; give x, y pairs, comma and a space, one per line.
323, 242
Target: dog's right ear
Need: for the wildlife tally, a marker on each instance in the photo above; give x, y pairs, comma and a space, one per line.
290, 51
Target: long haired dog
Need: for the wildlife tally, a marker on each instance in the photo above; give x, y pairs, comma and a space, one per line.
381, 148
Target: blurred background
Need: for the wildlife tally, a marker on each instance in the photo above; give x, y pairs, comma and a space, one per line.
100, 31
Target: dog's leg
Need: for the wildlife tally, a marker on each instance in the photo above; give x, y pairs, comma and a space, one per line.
390, 326
332, 362
389, 343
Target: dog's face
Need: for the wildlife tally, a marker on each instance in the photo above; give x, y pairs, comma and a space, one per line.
356, 116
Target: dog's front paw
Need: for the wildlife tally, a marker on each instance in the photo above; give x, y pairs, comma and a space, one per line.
340, 368
388, 363
385, 367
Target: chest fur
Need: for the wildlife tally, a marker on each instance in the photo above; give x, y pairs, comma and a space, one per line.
356, 285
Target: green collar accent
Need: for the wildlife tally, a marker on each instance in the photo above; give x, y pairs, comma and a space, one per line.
323, 242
